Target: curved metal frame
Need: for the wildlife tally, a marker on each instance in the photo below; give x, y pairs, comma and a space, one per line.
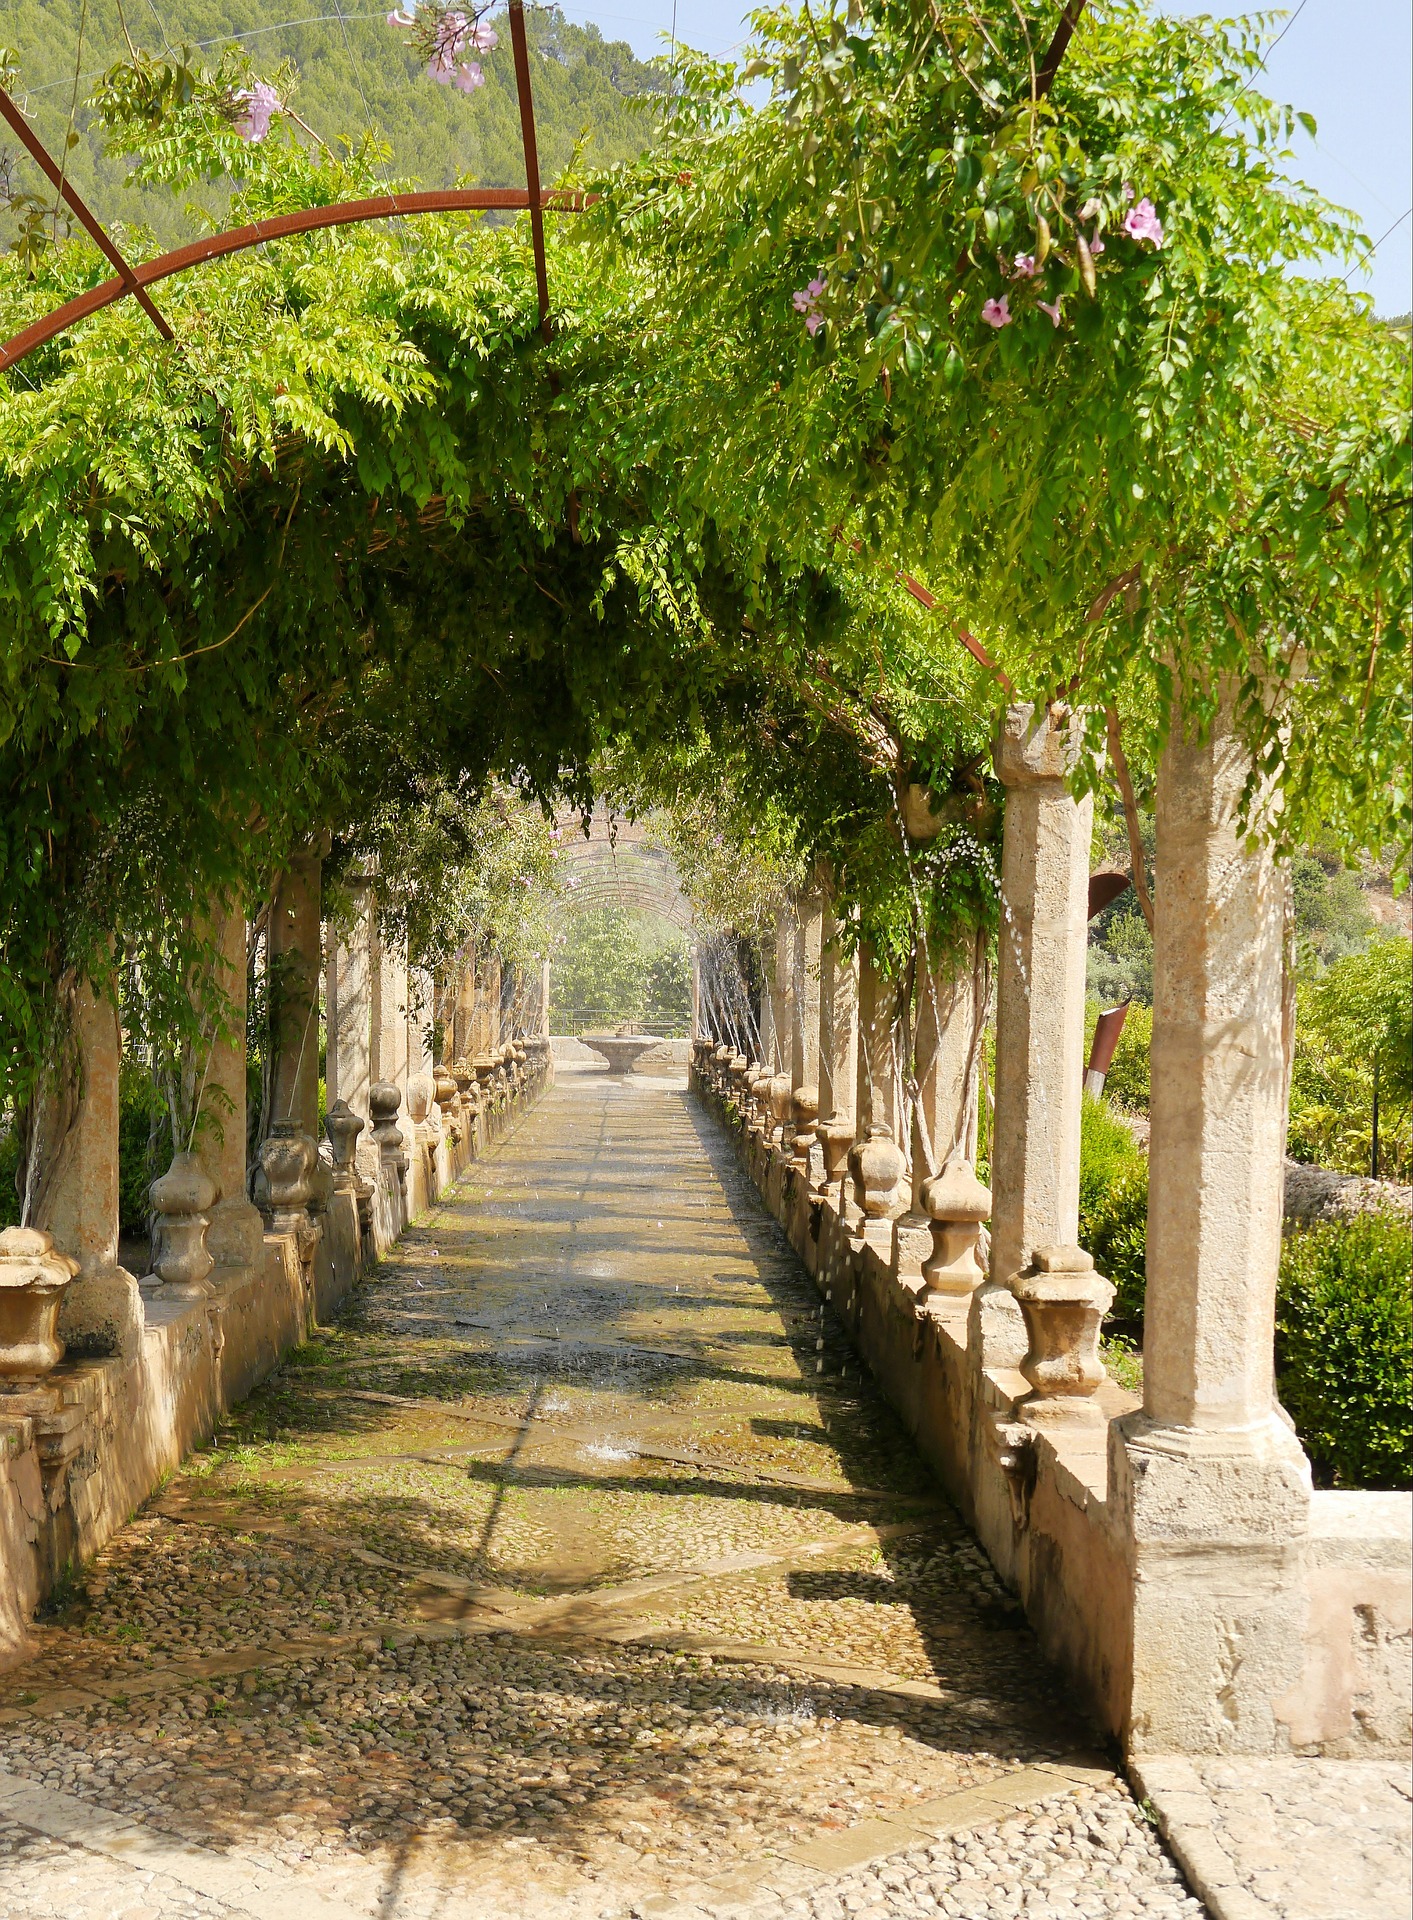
236, 239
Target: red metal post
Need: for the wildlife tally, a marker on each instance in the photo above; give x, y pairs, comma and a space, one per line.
532, 157
42, 157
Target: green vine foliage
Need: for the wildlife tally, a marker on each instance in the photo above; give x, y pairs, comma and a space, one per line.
1171, 459
358, 531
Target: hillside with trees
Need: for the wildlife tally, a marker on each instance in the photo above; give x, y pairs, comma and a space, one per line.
350, 75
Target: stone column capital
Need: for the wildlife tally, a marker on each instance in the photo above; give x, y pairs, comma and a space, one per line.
1037, 748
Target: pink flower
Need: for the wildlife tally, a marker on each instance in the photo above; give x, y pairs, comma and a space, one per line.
997, 313
1054, 312
469, 77
1024, 268
1096, 247
806, 301
1143, 223
260, 101
1127, 191
1089, 210
481, 37
399, 19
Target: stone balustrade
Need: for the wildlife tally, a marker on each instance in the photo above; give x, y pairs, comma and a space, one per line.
1171, 1552
106, 1379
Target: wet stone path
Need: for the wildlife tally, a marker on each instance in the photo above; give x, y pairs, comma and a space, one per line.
576, 1572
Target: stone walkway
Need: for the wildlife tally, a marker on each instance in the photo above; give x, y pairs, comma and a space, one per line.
576, 1573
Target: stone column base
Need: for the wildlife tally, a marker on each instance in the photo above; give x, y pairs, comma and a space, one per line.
1215, 1527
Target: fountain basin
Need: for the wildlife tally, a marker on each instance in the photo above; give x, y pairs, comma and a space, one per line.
620, 1050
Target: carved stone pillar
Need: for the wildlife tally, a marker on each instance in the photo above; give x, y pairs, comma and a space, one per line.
804, 1026
348, 1007
388, 1025
296, 962
838, 1051
76, 1201
875, 1102
782, 991
420, 1000
945, 1046
1039, 1018
235, 1232
1209, 1483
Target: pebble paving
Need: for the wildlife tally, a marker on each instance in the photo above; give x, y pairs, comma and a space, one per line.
575, 1572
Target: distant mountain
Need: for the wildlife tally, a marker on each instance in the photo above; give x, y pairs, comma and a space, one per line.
355, 72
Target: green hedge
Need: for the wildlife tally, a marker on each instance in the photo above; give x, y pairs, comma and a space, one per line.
1343, 1327
1344, 1349
1113, 1204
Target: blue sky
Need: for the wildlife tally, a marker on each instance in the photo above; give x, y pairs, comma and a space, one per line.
1347, 62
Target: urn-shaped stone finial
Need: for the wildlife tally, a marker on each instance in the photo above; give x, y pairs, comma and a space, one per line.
779, 1098
836, 1136
804, 1111
33, 1277
343, 1127
957, 1204
445, 1088
877, 1165
181, 1204
286, 1182
1064, 1301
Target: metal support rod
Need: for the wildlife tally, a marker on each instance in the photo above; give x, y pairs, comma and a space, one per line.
1055, 53
66, 190
532, 158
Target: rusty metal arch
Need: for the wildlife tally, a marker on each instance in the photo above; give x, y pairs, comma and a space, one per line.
134, 281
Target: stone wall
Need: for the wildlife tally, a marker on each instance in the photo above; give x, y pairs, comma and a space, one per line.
1048, 1504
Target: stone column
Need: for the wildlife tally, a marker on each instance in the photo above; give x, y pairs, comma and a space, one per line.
234, 1236
944, 1045
464, 1017
490, 1004
296, 961
389, 1014
875, 1097
876, 1159
838, 1048
419, 1017
544, 1025
804, 1024
1209, 1482
76, 1200
348, 1010
1039, 1018
782, 994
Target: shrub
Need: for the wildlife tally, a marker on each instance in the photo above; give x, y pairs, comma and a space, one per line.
1113, 1203
1357, 1014
1343, 1332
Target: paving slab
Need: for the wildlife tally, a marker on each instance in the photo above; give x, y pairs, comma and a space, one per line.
1290, 1838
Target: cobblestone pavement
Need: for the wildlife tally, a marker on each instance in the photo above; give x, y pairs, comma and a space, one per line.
575, 1573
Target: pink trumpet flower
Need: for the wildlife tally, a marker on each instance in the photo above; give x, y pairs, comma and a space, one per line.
1053, 311
1024, 268
260, 102
1143, 223
997, 313
806, 301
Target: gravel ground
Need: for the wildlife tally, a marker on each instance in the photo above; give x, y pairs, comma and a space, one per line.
565, 1574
